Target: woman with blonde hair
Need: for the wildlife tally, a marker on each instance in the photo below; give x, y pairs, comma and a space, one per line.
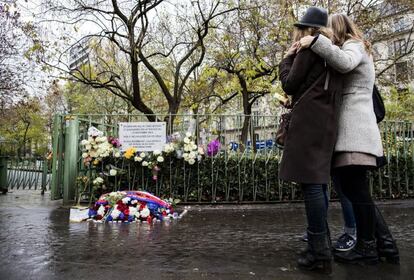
359, 141
311, 134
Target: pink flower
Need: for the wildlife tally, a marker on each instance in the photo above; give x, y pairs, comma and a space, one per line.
114, 141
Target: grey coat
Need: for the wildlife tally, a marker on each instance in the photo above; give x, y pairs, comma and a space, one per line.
357, 128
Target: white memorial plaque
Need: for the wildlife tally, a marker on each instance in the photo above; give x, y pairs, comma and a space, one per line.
144, 136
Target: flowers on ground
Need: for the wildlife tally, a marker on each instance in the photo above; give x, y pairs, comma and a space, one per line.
131, 206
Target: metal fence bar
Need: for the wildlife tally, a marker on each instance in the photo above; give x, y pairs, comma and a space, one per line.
249, 172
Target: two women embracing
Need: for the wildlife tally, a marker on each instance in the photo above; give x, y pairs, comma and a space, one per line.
333, 135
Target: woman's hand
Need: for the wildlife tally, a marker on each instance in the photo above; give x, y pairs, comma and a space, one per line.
305, 42
293, 49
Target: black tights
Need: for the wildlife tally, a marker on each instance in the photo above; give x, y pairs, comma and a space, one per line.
353, 180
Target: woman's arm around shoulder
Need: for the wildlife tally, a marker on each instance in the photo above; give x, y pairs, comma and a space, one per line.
343, 60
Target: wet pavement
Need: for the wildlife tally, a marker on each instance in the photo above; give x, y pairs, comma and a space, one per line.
221, 242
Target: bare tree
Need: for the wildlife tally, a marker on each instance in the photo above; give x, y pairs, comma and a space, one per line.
142, 42
11, 68
250, 48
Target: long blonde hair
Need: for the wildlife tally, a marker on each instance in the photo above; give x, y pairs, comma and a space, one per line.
344, 29
299, 33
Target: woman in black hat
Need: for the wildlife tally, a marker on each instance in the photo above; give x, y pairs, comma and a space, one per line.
359, 142
312, 133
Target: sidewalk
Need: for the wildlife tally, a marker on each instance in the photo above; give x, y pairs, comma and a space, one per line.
223, 242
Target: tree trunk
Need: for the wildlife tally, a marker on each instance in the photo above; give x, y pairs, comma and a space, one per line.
245, 132
247, 111
137, 101
25, 139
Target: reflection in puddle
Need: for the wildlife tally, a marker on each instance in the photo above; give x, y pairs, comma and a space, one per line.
40, 242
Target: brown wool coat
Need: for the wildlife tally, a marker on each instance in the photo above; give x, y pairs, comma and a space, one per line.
311, 138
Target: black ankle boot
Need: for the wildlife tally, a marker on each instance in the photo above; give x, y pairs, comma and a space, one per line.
364, 252
386, 245
318, 255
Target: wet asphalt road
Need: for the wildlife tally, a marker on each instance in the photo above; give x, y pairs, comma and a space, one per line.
222, 242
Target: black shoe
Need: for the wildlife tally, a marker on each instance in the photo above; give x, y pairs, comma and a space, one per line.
345, 243
318, 255
364, 252
386, 245
388, 249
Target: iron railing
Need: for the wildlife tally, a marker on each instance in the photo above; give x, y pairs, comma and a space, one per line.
241, 171
28, 173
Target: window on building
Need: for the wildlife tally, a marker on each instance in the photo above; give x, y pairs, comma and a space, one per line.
255, 119
399, 47
256, 103
240, 120
400, 24
390, 49
401, 71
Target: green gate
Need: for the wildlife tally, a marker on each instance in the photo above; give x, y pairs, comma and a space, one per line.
22, 172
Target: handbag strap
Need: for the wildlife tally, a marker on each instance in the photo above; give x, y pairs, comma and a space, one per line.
313, 85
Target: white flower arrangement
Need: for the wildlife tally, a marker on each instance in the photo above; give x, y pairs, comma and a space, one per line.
115, 213
133, 211
169, 148
191, 152
96, 147
98, 181
130, 207
145, 212
101, 210
94, 132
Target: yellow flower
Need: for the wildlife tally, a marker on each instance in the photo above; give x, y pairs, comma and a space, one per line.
95, 162
130, 152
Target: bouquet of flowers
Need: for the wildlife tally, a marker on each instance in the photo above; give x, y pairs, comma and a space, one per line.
98, 146
186, 149
131, 206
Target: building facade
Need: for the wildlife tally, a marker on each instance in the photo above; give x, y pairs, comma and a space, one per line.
393, 46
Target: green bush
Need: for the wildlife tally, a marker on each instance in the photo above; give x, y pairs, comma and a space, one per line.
237, 178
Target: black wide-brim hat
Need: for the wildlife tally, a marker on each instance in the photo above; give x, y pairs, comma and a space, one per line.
313, 17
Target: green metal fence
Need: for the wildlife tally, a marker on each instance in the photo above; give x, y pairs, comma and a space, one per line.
245, 173
21, 171
28, 173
